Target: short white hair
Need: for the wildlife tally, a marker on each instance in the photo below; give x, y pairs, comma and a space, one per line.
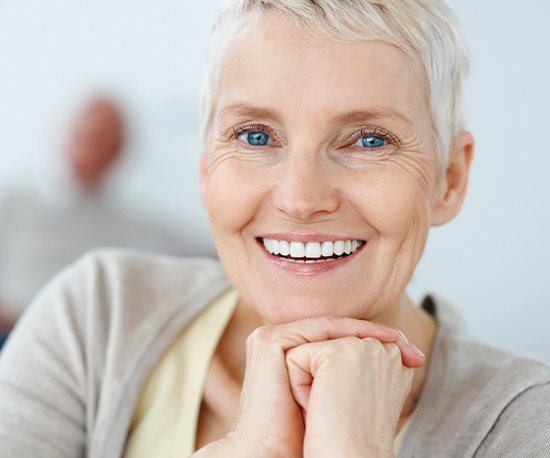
425, 29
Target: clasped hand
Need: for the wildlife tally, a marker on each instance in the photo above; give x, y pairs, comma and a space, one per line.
321, 387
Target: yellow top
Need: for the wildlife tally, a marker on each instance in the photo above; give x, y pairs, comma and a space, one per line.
165, 420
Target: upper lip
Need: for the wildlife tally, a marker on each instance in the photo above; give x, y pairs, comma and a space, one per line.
313, 237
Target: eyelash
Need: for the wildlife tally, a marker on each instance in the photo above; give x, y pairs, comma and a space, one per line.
238, 130
372, 132
348, 141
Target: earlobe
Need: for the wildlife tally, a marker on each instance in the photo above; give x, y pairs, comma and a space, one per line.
454, 184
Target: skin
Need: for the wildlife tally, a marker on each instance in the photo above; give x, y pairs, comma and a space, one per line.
94, 142
285, 344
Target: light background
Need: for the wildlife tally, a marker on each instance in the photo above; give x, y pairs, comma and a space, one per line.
492, 262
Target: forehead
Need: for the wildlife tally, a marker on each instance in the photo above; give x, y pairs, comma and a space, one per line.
274, 63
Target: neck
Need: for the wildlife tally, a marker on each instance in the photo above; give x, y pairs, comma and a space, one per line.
420, 328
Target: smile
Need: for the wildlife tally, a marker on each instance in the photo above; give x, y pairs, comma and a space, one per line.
311, 252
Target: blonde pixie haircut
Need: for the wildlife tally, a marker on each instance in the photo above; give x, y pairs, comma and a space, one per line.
425, 29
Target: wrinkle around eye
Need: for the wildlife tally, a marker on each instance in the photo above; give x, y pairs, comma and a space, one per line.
415, 164
223, 154
365, 157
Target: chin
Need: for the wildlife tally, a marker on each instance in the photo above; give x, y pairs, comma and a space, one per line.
277, 310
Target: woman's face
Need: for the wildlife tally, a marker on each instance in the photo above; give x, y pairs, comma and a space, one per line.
317, 141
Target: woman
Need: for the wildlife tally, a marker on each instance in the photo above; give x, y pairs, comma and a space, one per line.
333, 140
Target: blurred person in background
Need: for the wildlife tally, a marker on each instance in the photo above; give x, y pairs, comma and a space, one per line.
42, 230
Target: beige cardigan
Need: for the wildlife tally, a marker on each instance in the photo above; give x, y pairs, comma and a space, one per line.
73, 369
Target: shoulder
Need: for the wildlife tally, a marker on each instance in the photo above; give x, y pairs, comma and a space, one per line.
118, 294
91, 337
475, 394
128, 293
121, 279
461, 359
522, 428
119, 275
513, 402
110, 301
150, 271
494, 368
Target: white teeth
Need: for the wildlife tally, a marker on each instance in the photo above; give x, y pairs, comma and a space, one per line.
297, 250
327, 249
311, 250
275, 247
347, 246
339, 247
284, 247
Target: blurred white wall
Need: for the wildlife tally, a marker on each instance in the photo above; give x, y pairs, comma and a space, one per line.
493, 262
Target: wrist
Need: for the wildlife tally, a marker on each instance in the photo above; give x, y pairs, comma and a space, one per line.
247, 446
219, 448
351, 451
231, 446
378, 452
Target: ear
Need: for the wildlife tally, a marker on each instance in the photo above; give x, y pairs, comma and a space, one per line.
203, 177
453, 185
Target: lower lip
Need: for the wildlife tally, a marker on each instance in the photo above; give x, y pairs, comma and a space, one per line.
311, 268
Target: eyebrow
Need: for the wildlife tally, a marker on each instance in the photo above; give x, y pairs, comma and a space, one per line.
242, 109
377, 112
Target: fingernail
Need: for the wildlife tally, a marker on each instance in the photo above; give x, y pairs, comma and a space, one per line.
402, 335
417, 351
413, 347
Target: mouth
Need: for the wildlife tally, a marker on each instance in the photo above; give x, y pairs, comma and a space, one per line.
311, 252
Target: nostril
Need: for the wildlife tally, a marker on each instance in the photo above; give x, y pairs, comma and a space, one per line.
306, 196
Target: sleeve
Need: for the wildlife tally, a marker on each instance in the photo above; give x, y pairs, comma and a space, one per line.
43, 376
523, 427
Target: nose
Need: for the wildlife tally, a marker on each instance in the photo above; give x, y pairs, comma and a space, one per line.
305, 189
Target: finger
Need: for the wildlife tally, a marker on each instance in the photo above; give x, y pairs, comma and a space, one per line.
296, 333
266, 345
289, 335
305, 360
407, 372
302, 361
298, 362
410, 354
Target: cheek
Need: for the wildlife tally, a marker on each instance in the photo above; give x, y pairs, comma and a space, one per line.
233, 195
395, 204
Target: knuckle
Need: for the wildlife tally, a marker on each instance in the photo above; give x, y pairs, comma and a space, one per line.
329, 354
393, 350
373, 344
327, 323
352, 347
337, 320
293, 354
289, 357
332, 324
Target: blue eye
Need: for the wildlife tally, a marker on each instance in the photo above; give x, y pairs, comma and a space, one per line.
255, 138
372, 141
